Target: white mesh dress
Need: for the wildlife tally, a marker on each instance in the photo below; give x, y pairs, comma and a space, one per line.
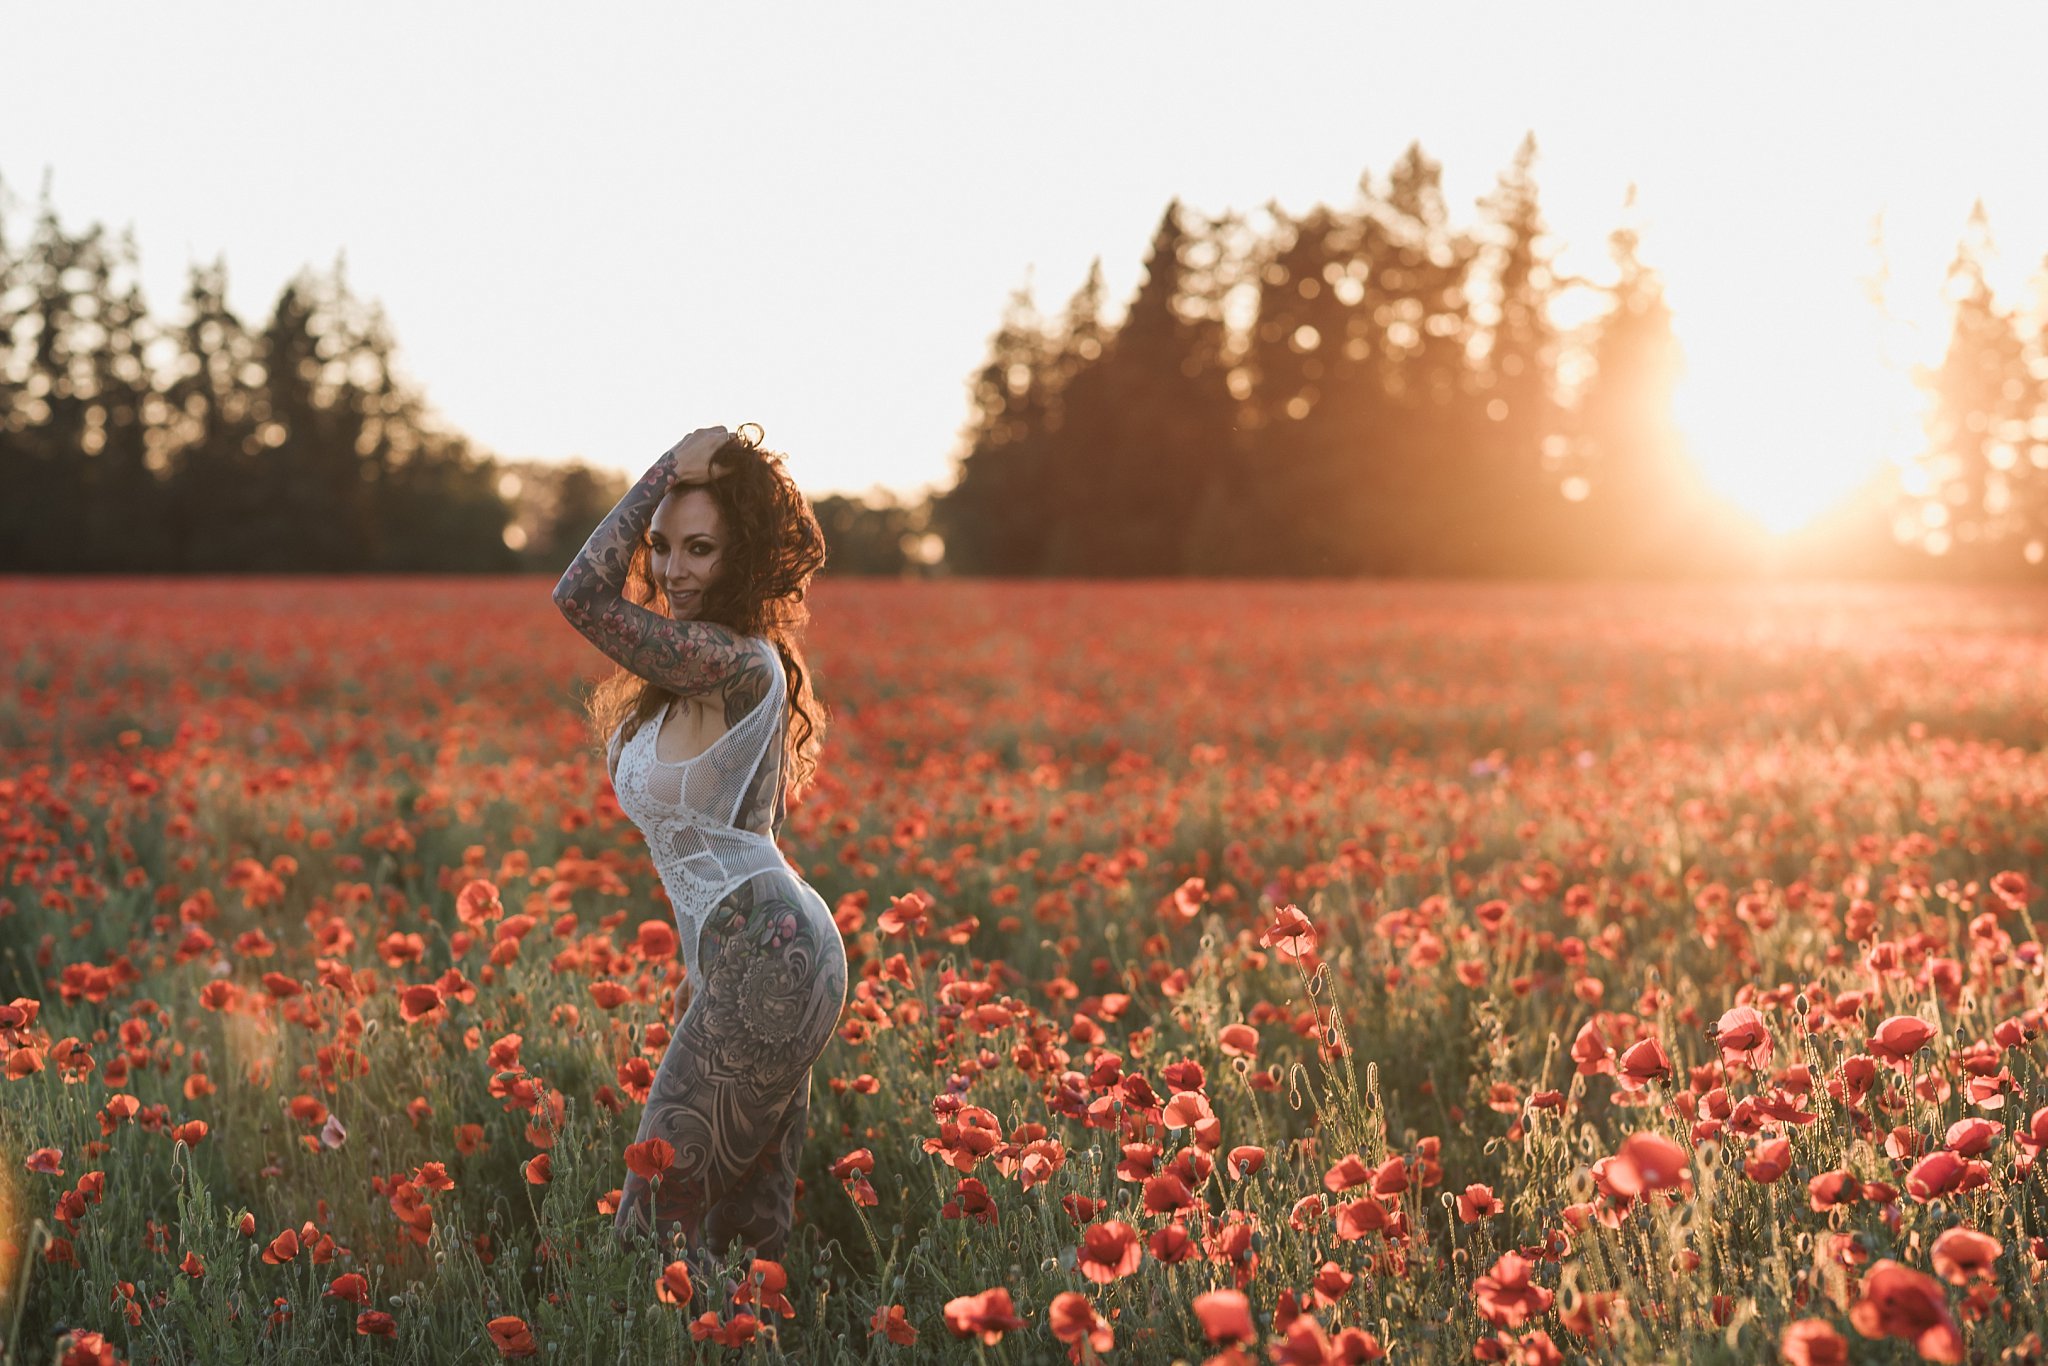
732, 1096
687, 810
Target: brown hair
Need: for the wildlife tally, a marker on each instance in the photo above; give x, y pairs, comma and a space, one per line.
773, 545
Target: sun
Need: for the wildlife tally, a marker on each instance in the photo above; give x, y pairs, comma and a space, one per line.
1788, 423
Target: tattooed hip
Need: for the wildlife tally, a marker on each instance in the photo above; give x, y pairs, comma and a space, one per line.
732, 1095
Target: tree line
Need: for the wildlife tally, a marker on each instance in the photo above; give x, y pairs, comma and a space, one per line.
1365, 391
1396, 399
219, 444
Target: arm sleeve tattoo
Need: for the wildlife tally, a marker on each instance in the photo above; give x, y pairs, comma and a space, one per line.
682, 656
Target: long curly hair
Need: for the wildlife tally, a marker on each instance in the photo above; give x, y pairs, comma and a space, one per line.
773, 545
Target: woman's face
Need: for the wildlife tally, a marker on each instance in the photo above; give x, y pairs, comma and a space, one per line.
686, 545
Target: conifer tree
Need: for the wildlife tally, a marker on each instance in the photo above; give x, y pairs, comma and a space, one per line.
1427, 463
997, 517
1314, 385
1146, 430
1988, 499
1517, 496
212, 399
1644, 498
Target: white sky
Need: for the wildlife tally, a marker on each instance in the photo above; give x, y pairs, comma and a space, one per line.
597, 227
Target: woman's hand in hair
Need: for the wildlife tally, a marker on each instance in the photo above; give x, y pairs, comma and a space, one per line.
690, 459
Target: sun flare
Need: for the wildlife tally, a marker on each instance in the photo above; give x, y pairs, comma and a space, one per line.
1788, 423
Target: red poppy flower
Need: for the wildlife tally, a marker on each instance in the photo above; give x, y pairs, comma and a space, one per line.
1070, 1317
674, 1286
1290, 935
1743, 1037
511, 1336
1477, 1202
1226, 1316
1898, 1302
650, 1158
1963, 1254
350, 1285
1171, 1244
1811, 1342
1238, 1041
765, 1282
1243, 1161
1109, 1251
1769, 1160
1644, 1063
1900, 1037
894, 1324
1505, 1295
1972, 1137
1349, 1171
1659, 1162
988, 1313
1943, 1173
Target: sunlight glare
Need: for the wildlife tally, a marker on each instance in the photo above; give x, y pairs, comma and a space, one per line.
1789, 422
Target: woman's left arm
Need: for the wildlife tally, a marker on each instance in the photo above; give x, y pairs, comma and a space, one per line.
682, 656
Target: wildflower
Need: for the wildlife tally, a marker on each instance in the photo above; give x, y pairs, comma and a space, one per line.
765, 1282
1290, 935
1769, 1160
1658, 1163
1829, 1189
1171, 1244
1591, 1052
1900, 1037
674, 1286
737, 1331
650, 1158
1477, 1202
1072, 1319
1644, 1063
1943, 1173
1963, 1254
1225, 1315
1811, 1342
1109, 1251
1742, 1037
511, 1336
1330, 1284
988, 1313
894, 1324
1972, 1136
1506, 1297
1238, 1041
1898, 1302
971, 1200
350, 1285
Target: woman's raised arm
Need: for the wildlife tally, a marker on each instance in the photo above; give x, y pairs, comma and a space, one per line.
682, 656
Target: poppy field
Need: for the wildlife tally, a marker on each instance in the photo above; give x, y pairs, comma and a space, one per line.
1241, 972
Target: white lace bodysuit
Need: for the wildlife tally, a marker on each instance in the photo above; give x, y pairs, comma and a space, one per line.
687, 810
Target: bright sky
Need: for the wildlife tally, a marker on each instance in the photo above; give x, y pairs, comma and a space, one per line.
597, 227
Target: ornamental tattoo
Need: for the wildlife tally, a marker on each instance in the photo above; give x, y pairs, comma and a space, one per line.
732, 1096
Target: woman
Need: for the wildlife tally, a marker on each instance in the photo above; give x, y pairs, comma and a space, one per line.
699, 725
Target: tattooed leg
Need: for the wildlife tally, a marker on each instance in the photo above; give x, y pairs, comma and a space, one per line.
732, 1093
757, 1210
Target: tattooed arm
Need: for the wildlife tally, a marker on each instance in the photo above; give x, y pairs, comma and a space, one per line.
682, 656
